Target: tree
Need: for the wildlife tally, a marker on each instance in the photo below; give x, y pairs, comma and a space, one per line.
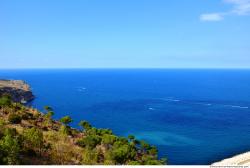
48, 108
121, 154
64, 129
144, 146
135, 142
48, 117
85, 125
9, 150
66, 120
131, 137
49, 114
33, 139
108, 139
105, 131
153, 151
90, 141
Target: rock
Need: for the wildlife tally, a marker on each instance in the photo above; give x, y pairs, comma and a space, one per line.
17, 89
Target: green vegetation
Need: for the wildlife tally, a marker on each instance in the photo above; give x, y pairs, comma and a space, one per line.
66, 120
14, 118
9, 148
33, 139
30, 137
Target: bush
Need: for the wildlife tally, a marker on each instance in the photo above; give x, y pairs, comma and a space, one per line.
9, 150
90, 157
33, 139
64, 130
108, 139
2, 122
10, 131
66, 120
5, 100
89, 142
14, 119
123, 153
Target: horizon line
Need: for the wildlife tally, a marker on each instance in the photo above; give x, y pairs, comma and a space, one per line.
129, 68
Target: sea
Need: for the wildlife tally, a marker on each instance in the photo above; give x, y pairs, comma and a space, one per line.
193, 116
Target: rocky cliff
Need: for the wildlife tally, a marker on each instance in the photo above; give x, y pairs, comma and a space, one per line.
17, 89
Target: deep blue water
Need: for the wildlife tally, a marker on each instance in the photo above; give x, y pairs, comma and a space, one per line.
192, 116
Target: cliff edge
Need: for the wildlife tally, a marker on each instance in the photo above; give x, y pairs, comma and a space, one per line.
17, 89
238, 160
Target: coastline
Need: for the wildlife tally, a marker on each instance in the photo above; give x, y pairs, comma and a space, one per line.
19, 90
238, 160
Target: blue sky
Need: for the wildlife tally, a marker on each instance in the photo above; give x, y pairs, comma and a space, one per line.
125, 34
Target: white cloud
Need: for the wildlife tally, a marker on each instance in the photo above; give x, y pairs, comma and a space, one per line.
211, 17
239, 7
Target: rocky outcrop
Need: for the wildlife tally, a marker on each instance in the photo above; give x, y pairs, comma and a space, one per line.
238, 160
17, 89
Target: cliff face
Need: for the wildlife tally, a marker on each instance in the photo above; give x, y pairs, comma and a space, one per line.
17, 89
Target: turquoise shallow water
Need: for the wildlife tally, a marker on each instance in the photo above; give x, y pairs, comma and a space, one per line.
192, 116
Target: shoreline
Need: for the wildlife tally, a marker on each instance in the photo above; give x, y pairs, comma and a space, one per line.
242, 159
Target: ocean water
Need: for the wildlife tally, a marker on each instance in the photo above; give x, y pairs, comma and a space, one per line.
192, 116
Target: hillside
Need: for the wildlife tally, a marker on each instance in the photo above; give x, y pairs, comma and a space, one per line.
30, 137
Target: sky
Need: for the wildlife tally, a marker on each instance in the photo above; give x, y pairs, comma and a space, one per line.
124, 34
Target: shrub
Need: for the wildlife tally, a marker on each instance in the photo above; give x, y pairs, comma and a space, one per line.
90, 157
10, 131
5, 100
66, 120
122, 152
108, 139
64, 130
33, 138
85, 125
89, 142
9, 149
2, 122
14, 119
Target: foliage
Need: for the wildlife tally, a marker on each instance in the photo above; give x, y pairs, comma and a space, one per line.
85, 125
64, 130
49, 114
2, 122
108, 139
14, 118
48, 108
90, 157
33, 139
5, 100
9, 150
89, 142
66, 120
131, 137
90, 146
